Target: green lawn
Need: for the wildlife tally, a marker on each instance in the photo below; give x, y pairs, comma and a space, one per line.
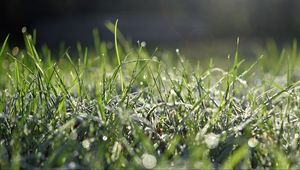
131, 108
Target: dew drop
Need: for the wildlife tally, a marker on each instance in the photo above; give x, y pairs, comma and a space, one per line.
73, 135
182, 60
72, 165
15, 51
104, 138
86, 144
252, 142
172, 164
154, 58
212, 140
149, 161
24, 29
143, 44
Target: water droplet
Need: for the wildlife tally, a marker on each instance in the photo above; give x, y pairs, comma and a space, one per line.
15, 51
72, 165
177, 51
145, 77
154, 58
104, 138
252, 142
141, 83
238, 40
143, 44
149, 161
172, 163
212, 140
182, 60
86, 144
24, 29
173, 92
75, 153
243, 82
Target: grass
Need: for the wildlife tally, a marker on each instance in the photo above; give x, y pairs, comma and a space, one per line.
130, 108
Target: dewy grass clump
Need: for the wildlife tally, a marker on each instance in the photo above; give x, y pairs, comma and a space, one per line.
78, 112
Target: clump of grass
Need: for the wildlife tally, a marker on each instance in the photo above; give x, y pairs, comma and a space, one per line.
75, 113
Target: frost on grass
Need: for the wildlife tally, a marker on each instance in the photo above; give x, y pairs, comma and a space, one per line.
183, 115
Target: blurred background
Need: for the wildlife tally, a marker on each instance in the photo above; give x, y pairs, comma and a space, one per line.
197, 27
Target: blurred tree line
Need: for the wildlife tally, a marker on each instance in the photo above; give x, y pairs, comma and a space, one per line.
277, 18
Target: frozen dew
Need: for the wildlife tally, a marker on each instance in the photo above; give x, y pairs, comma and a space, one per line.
15, 51
181, 60
73, 135
29, 37
104, 138
212, 140
143, 44
243, 82
252, 142
24, 29
149, 161
39, 154
71, 165
86, 144
173, 92
75, 153
154, 58
172, 164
